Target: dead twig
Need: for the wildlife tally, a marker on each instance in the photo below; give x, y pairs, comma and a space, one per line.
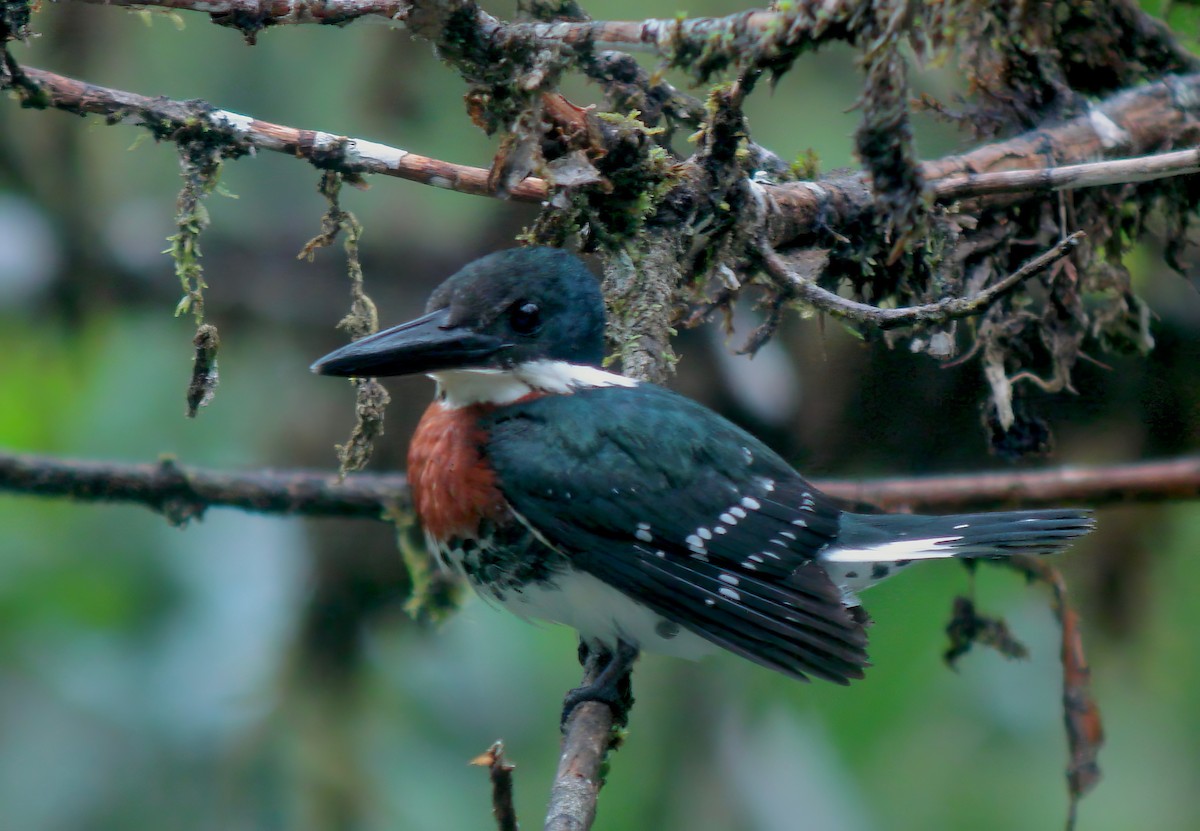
1094, 174
1081, 714
948, 309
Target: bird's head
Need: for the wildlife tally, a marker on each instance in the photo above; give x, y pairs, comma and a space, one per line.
512, 308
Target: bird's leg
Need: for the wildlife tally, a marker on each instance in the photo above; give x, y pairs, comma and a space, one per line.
611, 681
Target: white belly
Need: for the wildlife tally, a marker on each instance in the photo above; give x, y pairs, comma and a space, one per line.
590, 606
601, 613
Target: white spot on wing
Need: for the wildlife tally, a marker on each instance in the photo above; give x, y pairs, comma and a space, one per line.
729, 593
728, 578
704, 533
750, 503
737, 512
960, 527
800, 523
644, 535
728, 519
787, 534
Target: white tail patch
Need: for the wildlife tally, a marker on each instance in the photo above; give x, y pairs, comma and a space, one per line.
925, 549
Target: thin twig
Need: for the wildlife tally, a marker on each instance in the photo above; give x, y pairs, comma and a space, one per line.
950, 308
370, 495
165, 117
1138, 482
1081, 712
1091, 175
500, 772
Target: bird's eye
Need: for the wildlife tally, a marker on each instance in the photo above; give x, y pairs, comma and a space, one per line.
525, 318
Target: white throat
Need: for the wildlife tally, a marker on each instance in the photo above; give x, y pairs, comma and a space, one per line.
463, 387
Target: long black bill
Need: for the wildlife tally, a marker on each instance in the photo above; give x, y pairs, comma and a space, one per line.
426, 344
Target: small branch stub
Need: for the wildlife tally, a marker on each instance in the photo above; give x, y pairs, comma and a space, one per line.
1081, 713
500, 771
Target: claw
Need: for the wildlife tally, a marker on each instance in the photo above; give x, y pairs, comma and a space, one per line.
612, 685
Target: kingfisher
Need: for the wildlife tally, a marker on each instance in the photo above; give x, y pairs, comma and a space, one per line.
565, 492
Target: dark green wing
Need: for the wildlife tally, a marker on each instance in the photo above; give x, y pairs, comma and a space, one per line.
685, 513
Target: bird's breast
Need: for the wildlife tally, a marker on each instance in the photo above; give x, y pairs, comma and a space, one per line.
453, 488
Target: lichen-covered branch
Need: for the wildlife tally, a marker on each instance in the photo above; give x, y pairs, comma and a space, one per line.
1139, 122
814, 20
252, 16
165, 118
1145, 119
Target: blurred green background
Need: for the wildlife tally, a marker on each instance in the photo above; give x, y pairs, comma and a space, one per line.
258, 673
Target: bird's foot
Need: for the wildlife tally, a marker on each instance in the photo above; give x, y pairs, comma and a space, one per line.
611, 684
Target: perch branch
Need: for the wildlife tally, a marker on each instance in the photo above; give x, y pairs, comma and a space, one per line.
352, 156
587, 739
949, 309
577, 780
370, 495
813, 20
